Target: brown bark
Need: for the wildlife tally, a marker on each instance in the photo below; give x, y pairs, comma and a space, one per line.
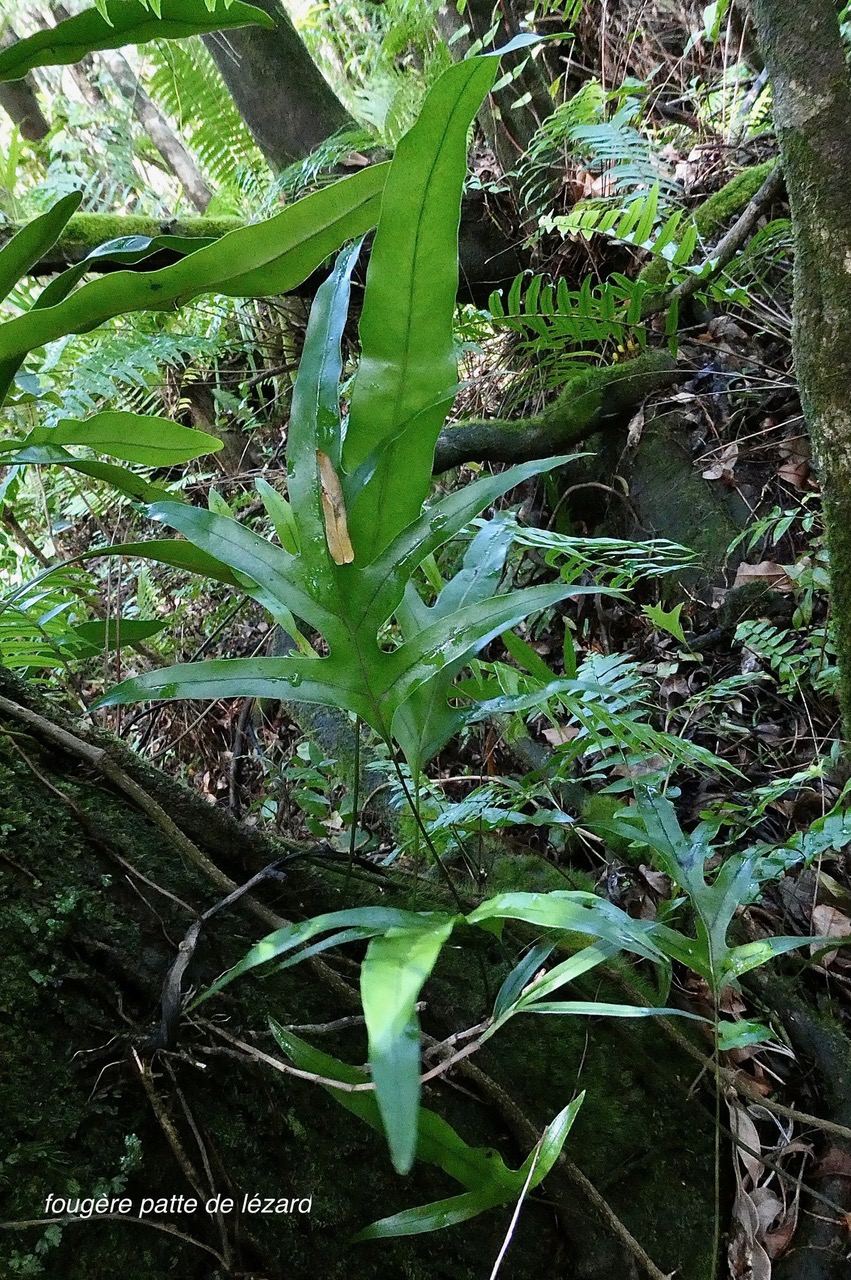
812, 108
18, 99
278, 89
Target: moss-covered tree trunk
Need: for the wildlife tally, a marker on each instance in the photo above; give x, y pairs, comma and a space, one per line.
96, 894
812, 112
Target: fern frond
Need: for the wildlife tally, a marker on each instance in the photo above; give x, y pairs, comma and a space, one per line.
578, 133
637, 222
617, 562
123, 366
558, 317
317, 167
187, 86
795, 658
36, 624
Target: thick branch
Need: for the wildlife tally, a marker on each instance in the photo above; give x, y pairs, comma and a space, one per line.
596, 399
163, 137
18, 100
727, 247
488, 260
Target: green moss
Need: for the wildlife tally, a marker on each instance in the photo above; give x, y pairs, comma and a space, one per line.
730, 200
84, 231
587, 403
675, 503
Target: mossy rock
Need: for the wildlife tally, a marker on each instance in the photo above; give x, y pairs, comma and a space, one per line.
673, 501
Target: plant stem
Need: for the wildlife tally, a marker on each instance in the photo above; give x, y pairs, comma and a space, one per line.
353, 830
413, 803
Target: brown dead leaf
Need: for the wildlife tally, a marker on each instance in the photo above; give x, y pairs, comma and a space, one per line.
732, 1003
794, 448
649, 765
828, 922
754, 1082
724, 465
778, 1241
835, 1163
773, 575
561, 734
795, 473
745, 1132
724, 326
768, 1208
657, 880
748, 1259
334, 511
674, 686
636, 427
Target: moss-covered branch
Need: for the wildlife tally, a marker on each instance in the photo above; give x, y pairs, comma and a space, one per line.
489, 258
85, 231
715, 212
588, 403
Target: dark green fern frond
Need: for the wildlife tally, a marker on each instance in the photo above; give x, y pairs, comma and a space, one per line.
124, 367
318, 167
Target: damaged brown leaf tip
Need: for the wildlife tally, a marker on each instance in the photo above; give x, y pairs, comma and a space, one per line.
334, 511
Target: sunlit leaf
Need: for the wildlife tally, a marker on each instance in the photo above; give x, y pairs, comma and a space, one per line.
119, 22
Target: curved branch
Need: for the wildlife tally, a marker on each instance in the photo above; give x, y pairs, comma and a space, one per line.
594, 400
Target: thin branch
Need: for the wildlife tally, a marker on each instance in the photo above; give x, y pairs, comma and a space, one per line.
727, 247
69, 1221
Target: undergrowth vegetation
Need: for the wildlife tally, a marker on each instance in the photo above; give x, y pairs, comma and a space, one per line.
578, 712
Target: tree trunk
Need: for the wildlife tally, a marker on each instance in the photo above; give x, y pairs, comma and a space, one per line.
290, 109
511, 115
278, 89
18, 99
812, 110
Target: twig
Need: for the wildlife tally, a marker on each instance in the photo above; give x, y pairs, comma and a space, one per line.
69, 1221
190, 1120
171, 1135
325, 1028
277, 1065
727, 247
237, 757
747, 1090
516, 1214
171, 1001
